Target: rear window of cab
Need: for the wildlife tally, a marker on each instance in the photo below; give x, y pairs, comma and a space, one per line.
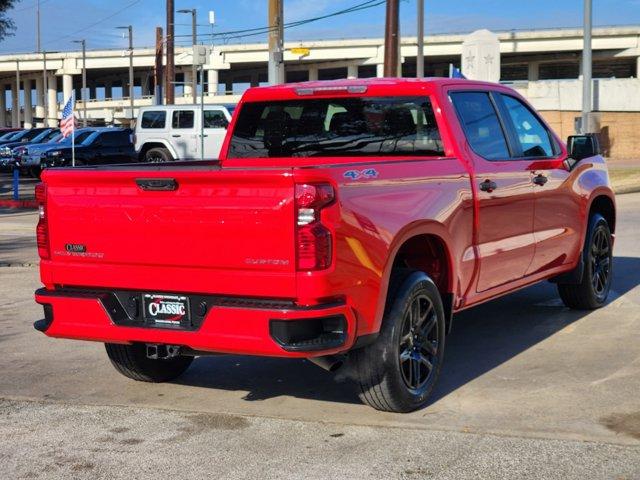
350, 126
153, 119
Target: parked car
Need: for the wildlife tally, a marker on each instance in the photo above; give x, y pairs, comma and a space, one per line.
11, 152
346, 220
100, 147
14, 139
21, 136
30, 159
172, 132
7, 135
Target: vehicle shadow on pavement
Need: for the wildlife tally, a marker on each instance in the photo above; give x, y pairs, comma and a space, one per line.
483, 338
12, 249
26, 188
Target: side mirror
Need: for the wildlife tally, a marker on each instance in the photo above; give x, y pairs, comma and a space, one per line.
580, 147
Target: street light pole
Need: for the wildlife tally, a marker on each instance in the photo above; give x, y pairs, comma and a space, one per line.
83, 95
586, 68
194, 42
129, 29
38, 26
420, 58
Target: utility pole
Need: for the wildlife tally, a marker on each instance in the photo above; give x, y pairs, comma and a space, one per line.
157, 72
171, 67
194, 42
420, 57
586, 68
276, 42
38, 26
129, 29
391, 40
83, 96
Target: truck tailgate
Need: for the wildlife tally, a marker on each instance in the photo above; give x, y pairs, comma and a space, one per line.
215, 231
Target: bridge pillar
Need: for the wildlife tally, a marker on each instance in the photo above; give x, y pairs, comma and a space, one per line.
67, 86
187, 85
534, 71
40, 102
28, 109
213, 78
52, 100
15, 106
352, 70
380, 70
3, 105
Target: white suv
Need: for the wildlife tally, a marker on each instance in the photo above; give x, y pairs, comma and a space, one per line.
166, 133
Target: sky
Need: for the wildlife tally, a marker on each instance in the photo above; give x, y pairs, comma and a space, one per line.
96, 20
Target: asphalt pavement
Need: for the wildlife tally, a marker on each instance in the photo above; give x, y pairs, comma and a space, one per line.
529, 389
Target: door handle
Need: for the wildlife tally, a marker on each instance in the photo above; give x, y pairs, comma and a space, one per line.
157, 184
175, 135
488, 186
540, 179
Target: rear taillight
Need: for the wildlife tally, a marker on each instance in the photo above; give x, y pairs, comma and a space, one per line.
42, 230
314, 240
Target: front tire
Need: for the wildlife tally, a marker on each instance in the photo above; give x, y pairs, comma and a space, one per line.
593, 290
399, 371
132, 362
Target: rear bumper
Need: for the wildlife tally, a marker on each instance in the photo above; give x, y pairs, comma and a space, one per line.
220, 324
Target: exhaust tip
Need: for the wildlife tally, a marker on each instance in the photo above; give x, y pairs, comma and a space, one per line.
330, 363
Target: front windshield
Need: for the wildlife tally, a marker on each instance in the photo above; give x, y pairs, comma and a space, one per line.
42, 136
50, 136
13, 135
88, 140
30, 135
350, 126
80, 137
7, 136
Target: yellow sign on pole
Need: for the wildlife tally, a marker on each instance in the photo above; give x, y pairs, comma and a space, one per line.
300, 51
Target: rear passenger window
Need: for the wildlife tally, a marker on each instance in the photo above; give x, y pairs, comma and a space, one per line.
183, 119
114, 139
215, 119
481, 125
534, 138
153, 119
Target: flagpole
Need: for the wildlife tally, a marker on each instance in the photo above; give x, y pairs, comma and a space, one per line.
73, 129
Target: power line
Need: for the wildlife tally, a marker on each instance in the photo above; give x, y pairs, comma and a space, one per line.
250, 32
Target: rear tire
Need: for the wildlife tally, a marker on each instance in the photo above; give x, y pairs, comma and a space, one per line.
132, 362
399, 371
593, 290
158, 155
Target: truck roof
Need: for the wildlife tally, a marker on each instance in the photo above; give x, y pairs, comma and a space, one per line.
374, 86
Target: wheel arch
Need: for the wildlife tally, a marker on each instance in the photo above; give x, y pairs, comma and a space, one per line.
423, 247
155, 143
604, 204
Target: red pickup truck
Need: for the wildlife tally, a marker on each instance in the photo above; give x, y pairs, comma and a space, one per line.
345, 220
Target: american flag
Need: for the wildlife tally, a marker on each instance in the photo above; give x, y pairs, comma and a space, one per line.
68, 122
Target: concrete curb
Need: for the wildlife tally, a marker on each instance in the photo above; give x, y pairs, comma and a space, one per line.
627, 189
